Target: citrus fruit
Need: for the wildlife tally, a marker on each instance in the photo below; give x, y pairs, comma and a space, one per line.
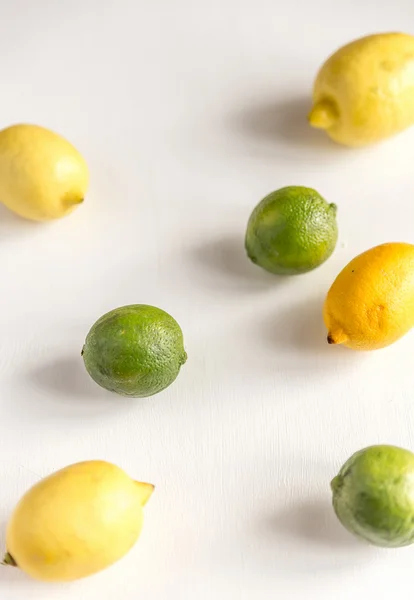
373, 495
371, 303
76, 522
365, 91
291, 231
134, 350
42, 176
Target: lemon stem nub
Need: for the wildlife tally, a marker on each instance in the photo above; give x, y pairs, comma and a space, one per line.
336, 337
75, 201
9, 561
145, 490
323, 115
71, 200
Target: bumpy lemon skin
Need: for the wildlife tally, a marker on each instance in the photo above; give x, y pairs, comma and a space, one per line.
370, 305
364, 92
76, 522
42, 176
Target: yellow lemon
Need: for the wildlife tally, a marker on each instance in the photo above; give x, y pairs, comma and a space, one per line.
371, 303
76, 522
42, 176
365, 91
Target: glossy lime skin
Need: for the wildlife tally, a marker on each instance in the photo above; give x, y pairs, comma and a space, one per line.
291, 231
373, 495
134, 350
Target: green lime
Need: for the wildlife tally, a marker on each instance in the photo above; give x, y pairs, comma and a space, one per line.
134, 350
291, 231
373, 495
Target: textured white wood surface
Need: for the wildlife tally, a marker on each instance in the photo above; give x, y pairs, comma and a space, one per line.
188, 114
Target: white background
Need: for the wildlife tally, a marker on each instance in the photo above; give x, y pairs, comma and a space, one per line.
188, 114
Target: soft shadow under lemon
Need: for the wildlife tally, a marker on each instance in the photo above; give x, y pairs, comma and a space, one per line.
284, 120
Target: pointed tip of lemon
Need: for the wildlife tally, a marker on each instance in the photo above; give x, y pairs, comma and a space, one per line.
145, 491
70, 201
323, 115
336, 337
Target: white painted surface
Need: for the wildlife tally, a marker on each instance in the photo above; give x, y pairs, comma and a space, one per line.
189, 113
